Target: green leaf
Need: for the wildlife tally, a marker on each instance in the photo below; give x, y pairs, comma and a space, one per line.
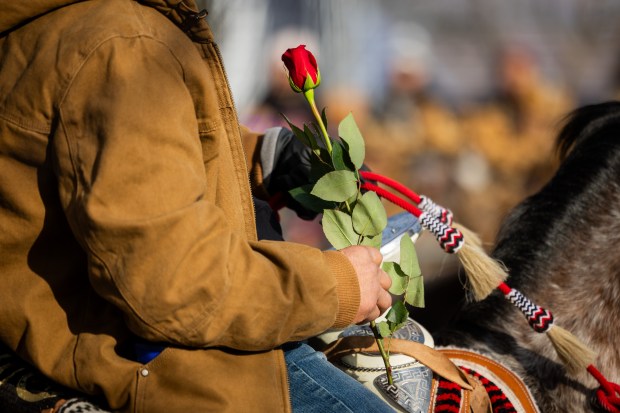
300, 134
322, 151
399, 278
408, 257
324, 118
369, 217
304, 197
352, 201
415, 292
336, 186
312, 139
350, 133
338, 229
384, 329
326, 157
318, 169
397, 316
338, 157
372, 241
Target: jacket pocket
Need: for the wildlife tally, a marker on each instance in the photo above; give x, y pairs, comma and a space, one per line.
209, 139
182, 380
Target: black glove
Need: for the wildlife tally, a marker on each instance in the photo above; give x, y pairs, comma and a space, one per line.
286, 165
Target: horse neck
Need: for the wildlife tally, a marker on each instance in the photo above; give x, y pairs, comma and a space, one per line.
560, 245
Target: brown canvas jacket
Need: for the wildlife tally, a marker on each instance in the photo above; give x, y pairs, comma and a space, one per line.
125, 211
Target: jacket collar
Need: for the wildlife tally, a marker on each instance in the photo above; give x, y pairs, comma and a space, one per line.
184, 13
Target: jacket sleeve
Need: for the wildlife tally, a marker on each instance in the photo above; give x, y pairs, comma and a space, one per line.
131, 172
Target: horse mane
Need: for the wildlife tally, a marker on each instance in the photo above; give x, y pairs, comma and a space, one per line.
576, 201
560, 247
585, 122
574, 217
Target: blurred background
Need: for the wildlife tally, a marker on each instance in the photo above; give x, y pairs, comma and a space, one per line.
458, 99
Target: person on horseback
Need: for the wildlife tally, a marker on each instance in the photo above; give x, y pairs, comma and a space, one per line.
127, 218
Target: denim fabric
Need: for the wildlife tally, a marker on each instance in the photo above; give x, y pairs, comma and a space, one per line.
316, 386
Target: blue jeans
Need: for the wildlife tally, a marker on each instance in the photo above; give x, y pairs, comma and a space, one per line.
316, 386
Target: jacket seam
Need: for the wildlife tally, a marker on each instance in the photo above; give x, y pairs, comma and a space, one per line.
229, 116
20, 122
125, 293
207, 313
110, 38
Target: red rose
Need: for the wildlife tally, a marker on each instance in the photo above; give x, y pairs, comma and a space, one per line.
303, 72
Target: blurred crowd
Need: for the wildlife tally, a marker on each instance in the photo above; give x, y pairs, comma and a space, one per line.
478, 156
479, 159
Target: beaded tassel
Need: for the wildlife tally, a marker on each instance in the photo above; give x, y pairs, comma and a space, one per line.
449, 238
537, 317
574, 354
443, 214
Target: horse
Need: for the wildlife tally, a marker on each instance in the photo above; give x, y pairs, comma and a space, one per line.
560, 247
